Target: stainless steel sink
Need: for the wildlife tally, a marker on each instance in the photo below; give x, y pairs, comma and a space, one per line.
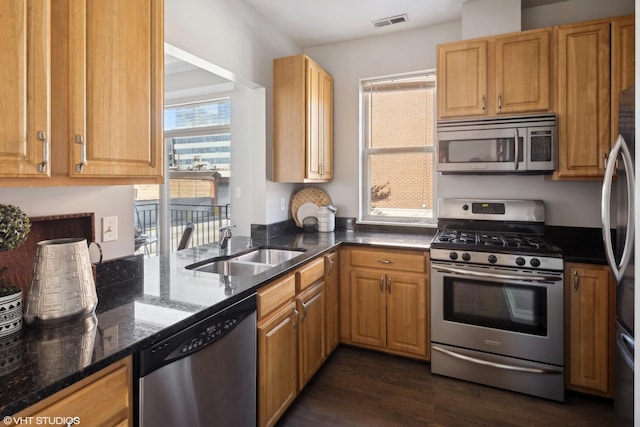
269, 256
234, 268
247, 264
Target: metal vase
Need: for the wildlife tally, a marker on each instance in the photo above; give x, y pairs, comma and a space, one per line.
62, 288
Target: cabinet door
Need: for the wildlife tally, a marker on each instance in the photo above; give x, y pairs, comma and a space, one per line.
523, 73
623, 64
583, 99
462, 79
319, 123
115, 91
312, 348
368, 316
406, 314
277, 367
102, 399
331, 290
24, 88
591, 319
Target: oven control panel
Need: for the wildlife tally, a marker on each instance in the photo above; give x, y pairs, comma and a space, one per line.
499, 259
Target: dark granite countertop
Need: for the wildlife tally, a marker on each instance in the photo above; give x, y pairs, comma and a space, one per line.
165, 298
135, 313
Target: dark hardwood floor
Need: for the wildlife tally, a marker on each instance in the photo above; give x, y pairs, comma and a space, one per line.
357, 387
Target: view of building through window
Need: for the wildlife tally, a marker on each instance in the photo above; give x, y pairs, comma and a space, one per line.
198, 143
398, 119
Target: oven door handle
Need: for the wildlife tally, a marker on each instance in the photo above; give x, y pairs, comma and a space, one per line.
471, 272
495, 364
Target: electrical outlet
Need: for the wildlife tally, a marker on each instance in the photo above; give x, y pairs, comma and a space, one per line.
109, 228
282, 206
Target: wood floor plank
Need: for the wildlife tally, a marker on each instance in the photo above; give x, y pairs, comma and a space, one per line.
358, 387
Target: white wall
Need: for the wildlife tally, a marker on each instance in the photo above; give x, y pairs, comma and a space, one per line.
568, 203
102, 201
483, 18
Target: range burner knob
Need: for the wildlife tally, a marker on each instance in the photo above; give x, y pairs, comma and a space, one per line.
520, 261
453, 255
466, 256
535, 262
493, 259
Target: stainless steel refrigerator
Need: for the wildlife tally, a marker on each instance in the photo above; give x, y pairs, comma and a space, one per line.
620, 252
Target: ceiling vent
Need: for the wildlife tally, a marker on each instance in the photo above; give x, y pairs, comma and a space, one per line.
399, 19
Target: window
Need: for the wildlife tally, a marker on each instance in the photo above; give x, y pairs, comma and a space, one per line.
398, 150
198, 142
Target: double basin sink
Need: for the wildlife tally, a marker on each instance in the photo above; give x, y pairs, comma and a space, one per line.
248, 263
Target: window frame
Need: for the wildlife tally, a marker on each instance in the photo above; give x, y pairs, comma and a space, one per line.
364, 154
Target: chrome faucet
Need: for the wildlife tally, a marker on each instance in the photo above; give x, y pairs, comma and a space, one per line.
225, 235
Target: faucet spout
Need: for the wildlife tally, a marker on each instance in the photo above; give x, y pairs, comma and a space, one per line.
225, 235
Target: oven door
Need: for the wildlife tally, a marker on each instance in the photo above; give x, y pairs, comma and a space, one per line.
505, 311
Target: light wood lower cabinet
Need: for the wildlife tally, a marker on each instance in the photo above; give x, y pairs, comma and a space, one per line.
590, 321
292, 336
102, 399
333, 309
382, 308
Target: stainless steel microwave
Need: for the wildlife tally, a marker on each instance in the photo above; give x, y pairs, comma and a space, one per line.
498, 145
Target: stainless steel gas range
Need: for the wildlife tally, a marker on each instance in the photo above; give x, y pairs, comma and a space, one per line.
497, 297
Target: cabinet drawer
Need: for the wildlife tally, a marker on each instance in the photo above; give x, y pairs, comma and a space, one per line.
309, 274
275, 295
389, 260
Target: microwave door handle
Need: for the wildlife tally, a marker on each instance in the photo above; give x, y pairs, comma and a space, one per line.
619, 147
517, 150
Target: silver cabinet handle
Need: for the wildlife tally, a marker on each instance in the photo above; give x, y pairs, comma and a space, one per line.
296, 315
517, 149
42, 136
484, 103
388, 284
576, 281
83, 153
386, 261
499, 103
330, 262
381, 283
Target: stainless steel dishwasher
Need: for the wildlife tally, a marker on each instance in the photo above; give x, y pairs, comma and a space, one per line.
204, 375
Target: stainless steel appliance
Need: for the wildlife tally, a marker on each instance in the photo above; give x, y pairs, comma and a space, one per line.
497, 297
621, 161
523, 144
204, 375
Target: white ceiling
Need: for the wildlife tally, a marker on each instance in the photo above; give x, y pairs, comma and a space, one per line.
317, 22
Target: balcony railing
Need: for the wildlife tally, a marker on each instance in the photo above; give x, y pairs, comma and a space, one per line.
206, 219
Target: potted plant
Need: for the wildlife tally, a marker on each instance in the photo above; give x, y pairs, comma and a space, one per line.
14, 230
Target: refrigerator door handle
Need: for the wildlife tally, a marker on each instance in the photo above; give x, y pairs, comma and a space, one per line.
626, 345
620, 148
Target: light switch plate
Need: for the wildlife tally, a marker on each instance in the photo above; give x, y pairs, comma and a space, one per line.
109, 228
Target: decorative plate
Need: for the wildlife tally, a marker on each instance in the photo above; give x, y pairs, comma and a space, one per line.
306, 210
312, 195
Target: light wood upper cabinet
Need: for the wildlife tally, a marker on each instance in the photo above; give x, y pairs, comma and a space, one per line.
302, 121
523, 72
595, 62
24, 88
590, 314
583, 98
623, 64
508, 74
107, 88
462, 79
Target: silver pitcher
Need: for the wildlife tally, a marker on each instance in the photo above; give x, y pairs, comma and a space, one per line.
62, 288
